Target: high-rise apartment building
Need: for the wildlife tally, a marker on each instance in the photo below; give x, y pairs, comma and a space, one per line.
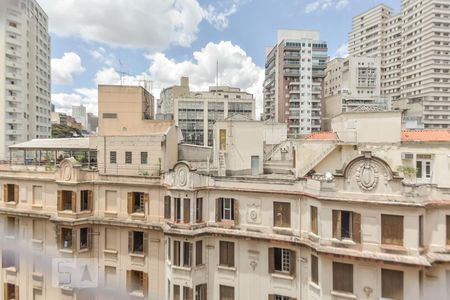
352, 83
295, 68
80, 115
195, 112
414, 47
24, 73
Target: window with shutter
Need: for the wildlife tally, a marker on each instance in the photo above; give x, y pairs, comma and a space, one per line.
84, 238
187, 254
111, 238
226, 292
85, 200
199, 210
176, 253
281, 214
137, 282
176, 292
315, 269
198, 253
314, 222
448, 229
167, 207
343, 277
177, 210
391, 284
186, 210
188, 293
420, 231
200, 292
10, 227
137, 242
66, 200
226, 254
66, 238
346, 225
392, 230
11, 193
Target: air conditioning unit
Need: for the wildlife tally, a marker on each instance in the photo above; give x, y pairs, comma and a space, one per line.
407, 155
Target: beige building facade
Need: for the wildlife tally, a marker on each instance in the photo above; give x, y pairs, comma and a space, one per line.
362, 215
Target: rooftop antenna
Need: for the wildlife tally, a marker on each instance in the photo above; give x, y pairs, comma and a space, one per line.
121, 72
217, 75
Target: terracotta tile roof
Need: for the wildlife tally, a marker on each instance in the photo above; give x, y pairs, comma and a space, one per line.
437, 135
323, 135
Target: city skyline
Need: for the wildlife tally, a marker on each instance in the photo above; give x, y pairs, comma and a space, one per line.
231, 28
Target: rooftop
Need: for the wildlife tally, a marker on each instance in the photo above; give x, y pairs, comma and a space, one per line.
53, 144
323, 135
435, 135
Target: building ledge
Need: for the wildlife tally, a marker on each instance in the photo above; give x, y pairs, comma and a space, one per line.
343, 295
225, 268
282, 276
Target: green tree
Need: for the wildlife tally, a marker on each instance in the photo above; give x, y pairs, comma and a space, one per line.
64, 131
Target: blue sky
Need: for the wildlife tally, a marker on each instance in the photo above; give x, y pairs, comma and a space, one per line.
161, 40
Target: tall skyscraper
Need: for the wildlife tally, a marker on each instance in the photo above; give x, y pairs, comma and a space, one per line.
295, 68
414, 47
25, 83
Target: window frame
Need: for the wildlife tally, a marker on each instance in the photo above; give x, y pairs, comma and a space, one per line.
386, 228
144, 157
279, 210
343, 287
128, 157
227, 254
113, 157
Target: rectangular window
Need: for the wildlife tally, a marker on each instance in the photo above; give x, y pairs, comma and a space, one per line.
187, 254
176, 253
86, 200
37, 195
111, 201
169, 249
176, 292
9, 259
315, 269
342, 277
137, 282
66, 238
177, 210
11, 193
110, 277
136, 242
112, 157
392, 230
448, 229
111, 236
281, 214
84, 238
199, 210
11, 291
423, 167
136, 202
226, 292
314, 221
391, 284
188, 293
420, 231
38, 230
227, 210
226, 254
200, 292
282, 261
144, 157
186, 210
198, 253
67, 200
346, 225
109, 116
167, 207
10, 226
128, 157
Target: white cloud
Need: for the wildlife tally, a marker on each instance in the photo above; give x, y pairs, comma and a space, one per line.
155, 24
325, 4
88, 97
64, 68
219, 19
236, 69
101, 55
342, 51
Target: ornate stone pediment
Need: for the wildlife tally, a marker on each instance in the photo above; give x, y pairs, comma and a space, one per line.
367, 173
181, 176
69, 169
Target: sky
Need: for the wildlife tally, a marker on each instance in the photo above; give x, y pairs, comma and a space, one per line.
158, 41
